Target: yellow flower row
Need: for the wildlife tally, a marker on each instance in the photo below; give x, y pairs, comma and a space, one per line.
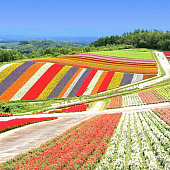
8, 70
49, 88
115, 81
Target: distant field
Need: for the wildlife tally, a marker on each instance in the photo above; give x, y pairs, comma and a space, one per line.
137, 54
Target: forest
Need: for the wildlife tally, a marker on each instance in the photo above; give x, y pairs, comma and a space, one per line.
138, 39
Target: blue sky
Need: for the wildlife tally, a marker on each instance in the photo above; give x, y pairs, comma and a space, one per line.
82, 17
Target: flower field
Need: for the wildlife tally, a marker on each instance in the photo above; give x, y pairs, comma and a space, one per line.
141, 141
164, 91
151, 96
18, 122
42, 80
116, 102
157, 95
167, 54
80, 147
100, 62
163, 113
75, 108
132, 100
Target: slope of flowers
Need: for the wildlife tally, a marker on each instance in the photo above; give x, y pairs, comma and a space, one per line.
164, 91
132, 100
14, 123
39, 80
80, 147
75, 108
157, 95
106, 63
151, 96
167, 54
141, 141
163, 113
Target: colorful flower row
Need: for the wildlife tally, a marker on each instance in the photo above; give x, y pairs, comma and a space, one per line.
18, 122
167, 54
38, 80
116, 102
103, 57
109, 62
140, 142
164, 91
75, 108
102, 66
5, 115
151, 96
157, 95
163, 113
80, 147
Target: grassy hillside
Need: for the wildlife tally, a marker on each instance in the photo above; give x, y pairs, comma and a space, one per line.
127, 53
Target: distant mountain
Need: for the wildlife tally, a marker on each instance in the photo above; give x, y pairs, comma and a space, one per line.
84, 40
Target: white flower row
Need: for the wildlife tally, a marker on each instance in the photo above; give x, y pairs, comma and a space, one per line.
74, 83
93, 83
135, 161
164, 140
137, 77
131, 100
121, 152
31, 81
159, 124
159, 151
147, 152
166, 126
106, 162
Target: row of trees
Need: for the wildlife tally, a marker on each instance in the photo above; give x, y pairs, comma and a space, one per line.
139, 39
12, 55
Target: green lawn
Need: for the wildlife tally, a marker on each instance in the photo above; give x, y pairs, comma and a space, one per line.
128, 53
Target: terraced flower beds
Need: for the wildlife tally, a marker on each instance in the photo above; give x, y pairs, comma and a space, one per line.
157, 95
108, 63
164, 91
80, 147
163, 113
167, 54
151, 96
132, 100
14, 123
141, 141
39, 80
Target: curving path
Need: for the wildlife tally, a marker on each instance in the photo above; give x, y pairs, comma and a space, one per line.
23, 139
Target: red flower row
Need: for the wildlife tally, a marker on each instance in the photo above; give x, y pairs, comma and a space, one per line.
163, 113
81, 147
6, 115
14, 123
151, 96
75, 108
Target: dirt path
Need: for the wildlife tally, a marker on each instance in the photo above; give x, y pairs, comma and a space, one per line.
23, 139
